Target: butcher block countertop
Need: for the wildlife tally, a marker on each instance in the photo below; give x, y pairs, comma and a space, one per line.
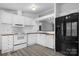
6, 34
40, 32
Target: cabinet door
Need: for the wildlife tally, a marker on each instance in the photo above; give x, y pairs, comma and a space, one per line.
10, 43
42, 39
15, 19
17, 47
20, 20
7, 44
15, 39
7, 18
38, 39
28, 21
50, 41
32, 39
4, 44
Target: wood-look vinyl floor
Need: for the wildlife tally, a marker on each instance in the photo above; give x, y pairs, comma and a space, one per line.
33, 50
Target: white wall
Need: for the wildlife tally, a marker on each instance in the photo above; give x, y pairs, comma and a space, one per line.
0, 42
46, 13
66, 8
28, 29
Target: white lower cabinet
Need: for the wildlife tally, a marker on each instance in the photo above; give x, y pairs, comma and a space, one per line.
50, 41
42, 39
32, 39
46, 40
7, 43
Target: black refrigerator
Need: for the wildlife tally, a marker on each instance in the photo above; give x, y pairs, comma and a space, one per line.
67, 34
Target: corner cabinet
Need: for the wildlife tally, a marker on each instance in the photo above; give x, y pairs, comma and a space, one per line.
42, 39
7, 43
32, 39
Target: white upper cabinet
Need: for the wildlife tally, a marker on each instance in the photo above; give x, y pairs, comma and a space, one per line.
18, 19
6, 18
21, 20
15, 19
27, 21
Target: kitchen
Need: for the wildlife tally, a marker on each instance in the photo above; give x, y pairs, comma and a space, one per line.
25, 24
39, 29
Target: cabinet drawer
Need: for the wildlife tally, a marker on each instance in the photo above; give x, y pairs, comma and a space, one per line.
4, 51
8, 49
19, 41
19, 47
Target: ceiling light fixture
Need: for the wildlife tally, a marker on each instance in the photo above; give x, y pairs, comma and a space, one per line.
33, 7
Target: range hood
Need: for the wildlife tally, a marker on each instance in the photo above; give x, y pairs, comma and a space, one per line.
18, 25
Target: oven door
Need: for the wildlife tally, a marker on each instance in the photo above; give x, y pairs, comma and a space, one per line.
20, 39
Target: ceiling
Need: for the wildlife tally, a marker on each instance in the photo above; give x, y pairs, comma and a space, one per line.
26, 7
